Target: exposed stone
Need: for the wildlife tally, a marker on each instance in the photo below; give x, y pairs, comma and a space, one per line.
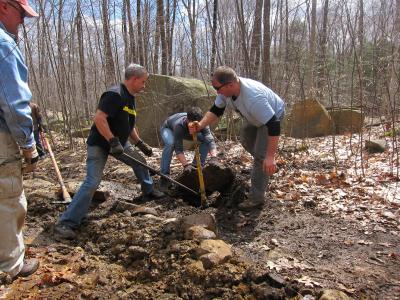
276, 280
389, 215
308, 119
199, 233
137, 252
334, 295
347, 120
375, 146
217, 247
164, 96
202, 219
211, 260
143, 210
101, 195
264, 291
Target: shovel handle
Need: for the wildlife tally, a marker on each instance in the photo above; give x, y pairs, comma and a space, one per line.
200, 172
65, 194
159, 173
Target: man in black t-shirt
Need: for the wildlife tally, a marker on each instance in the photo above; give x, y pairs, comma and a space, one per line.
174, 130
114, 123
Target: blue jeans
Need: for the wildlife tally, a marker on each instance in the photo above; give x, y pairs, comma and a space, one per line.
95, 162
167, 136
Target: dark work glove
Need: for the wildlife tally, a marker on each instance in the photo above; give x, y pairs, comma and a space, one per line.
213, 161
115, 146
189, 168
146, 149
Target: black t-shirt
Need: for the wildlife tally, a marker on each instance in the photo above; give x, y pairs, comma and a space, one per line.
119, 106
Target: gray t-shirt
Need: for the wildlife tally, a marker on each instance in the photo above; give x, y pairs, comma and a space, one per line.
256, 102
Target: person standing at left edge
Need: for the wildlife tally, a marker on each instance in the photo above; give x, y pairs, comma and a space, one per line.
16, 132
114, 123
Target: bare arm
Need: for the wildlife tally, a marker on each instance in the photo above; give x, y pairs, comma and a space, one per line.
269, 165
100, 120
182, 159
134, 135
208, 118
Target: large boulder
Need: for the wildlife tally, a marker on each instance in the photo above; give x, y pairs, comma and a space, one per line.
308, 118
347, 120
167, 95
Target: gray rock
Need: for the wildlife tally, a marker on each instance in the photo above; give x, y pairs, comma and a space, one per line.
199, 233
308, 118
164, 96
218, 247
211, 260
375, 146
347, 120
276, 280
202, 220
334, 295
137, 252
143, 210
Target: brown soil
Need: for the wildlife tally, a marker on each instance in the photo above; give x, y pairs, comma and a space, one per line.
304, 240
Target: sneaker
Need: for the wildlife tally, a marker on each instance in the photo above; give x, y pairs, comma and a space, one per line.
64, 232
30, 267
155, 194
250, 204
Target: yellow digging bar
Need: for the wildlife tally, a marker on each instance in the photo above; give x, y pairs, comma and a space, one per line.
199, 172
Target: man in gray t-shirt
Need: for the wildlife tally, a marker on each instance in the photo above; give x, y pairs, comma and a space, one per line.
262, 111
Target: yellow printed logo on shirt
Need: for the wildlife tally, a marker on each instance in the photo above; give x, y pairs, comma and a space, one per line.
130, 111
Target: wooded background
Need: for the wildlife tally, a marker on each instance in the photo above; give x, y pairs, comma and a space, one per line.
338, 51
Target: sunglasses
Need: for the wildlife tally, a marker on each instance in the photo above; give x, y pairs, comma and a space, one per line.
18, 8
217, 88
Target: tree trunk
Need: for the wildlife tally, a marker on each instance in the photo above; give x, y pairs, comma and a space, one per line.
164, 49
109, 67
242, 26
82, 68
266, 74
311, 55
140, 32
256, 39
132, 44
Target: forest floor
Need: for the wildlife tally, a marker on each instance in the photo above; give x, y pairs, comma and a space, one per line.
326, 225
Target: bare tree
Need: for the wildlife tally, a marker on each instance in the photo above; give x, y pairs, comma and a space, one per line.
110, 67
266, 73
255, 48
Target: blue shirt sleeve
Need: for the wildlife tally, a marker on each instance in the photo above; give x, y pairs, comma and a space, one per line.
15, 113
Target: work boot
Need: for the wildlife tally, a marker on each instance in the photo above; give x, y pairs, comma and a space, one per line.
30, 267
155, 194
64, 232
164, 184
251, 203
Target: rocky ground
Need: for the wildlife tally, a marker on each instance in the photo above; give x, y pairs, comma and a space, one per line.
329, 230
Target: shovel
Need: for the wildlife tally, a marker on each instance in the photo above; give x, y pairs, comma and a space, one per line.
203, 198
159, 173
65, 194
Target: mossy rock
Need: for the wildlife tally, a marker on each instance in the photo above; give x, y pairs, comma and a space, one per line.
308, 118
165, 96
347, 120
